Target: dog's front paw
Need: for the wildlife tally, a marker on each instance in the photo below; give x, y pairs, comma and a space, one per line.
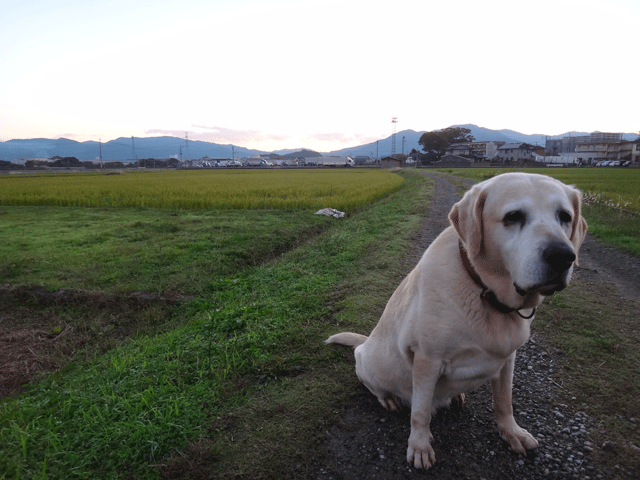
420, 453
518, 438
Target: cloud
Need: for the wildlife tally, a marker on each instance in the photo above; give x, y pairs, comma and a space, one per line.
221, 135
257, 139
342, 138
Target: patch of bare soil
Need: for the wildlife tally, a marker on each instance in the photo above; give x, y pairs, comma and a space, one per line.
37, 337
369, 442
25, 354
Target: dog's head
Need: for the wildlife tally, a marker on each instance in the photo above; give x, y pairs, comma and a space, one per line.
526, 228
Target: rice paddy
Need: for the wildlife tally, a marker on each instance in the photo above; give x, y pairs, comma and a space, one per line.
344, 190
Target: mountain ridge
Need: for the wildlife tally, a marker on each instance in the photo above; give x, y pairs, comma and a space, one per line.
123, 148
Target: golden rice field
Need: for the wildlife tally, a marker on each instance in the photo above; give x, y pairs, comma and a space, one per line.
203, 189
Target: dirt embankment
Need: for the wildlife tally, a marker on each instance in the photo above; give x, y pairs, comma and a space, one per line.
371, 443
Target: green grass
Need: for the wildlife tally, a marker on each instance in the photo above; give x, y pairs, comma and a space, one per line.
257, 334
150, 250
614, 226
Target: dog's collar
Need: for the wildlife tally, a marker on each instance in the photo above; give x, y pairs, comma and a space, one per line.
487, 295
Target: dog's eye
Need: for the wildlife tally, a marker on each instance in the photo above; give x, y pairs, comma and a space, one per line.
564, 216
517, 217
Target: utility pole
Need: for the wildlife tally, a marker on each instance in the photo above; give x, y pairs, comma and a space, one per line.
186, 145
394, 121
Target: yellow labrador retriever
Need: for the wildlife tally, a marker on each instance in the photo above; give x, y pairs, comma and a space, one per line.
457, 319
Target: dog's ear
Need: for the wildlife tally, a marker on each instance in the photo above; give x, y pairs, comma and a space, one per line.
466, 218
579, 225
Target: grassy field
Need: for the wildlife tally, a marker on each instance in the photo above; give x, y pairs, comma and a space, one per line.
161, 390
153, 250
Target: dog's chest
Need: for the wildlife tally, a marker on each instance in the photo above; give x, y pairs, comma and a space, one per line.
471, 367
477, 360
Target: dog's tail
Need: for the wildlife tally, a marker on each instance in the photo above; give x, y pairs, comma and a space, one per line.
347, 338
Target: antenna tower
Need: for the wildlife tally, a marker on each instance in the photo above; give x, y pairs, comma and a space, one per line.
133, 151
394, 121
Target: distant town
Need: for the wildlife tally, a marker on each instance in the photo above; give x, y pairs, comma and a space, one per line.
594, 149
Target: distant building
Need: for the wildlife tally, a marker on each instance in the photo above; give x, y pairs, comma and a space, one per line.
630, 151
517, 152
600, 146
478, 151
592, 145
361, 160
561, 145
390, 162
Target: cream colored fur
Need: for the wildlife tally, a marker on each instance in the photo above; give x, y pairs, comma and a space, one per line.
437, 338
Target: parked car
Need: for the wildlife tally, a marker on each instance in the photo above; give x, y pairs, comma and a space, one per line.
627, 163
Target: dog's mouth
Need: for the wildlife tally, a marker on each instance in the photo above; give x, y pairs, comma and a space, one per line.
547, 289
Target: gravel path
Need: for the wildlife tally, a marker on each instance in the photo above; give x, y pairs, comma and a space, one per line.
371, 443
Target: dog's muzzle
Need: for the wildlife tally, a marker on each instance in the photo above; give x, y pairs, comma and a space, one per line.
558, 259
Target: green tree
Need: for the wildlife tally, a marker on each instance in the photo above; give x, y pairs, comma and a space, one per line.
435, 143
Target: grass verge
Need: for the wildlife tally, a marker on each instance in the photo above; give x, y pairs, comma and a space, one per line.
220, 385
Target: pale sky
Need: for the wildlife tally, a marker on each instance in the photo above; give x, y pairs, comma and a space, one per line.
320, 74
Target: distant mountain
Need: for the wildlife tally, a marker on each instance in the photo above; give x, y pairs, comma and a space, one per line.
482, 134
118, 149
304, 153
382, 148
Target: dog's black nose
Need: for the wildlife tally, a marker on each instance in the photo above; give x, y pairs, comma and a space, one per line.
559, 256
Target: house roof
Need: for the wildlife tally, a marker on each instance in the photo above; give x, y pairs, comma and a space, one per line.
515, 146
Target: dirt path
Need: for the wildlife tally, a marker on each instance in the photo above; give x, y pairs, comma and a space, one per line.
370, 443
